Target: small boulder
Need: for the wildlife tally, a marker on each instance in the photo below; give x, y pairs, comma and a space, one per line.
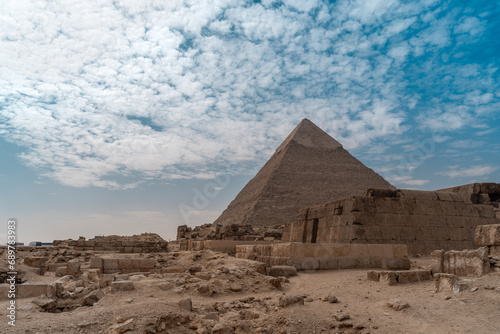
397, 305
330, 298
186, 304
235, 287
286, 301
74, 268
286, 271
92, 298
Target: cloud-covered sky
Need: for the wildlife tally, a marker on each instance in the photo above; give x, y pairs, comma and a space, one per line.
120, 96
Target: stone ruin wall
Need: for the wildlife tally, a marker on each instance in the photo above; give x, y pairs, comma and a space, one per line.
114, 246
423, 220
240, 232
480, 193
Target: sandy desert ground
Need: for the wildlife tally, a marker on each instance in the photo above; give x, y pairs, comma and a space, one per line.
230, 295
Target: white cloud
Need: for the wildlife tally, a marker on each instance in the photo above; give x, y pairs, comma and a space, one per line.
406, 180
99, 91
476, 171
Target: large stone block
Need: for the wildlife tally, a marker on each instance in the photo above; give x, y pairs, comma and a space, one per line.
35, 261
413, 276
438, 258
495, 250
110, 264
54, 266
285, 271
471, 263
96, 262
74, 268
61, 271
136, 263
487, 235
445, 282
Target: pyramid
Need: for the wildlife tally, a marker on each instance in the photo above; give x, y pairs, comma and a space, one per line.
308, 168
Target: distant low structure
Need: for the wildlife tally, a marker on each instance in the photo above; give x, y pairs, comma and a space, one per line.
143, 243
423, 220
40, 244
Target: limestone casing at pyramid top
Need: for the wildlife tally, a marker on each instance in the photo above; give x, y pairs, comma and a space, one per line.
308, 134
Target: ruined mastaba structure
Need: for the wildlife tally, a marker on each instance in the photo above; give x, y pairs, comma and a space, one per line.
308, 168
423, 220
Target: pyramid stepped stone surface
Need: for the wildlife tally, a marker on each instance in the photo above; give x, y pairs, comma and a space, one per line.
308, 168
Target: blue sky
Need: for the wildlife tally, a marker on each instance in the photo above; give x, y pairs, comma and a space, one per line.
116, 115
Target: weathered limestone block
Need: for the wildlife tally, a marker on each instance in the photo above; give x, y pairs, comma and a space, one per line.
445, 282
401, 277
438, 257
472, 263
110, 264
389, 278
35, 261
24, 290
61, 271
487, 235
96, 262
413, 276
74, 268
136, 263
286, 271
286, 301
495, 250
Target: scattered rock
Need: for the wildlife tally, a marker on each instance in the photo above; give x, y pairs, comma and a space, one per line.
397, 305
286, 301
286, 271
330, 298
235, 287
186, 304
342, 316
222, 328
92, 298
275, 282
123, 327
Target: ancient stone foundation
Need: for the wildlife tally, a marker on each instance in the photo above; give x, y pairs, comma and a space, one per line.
124, 266
327, 256
116, 244
423, 220
225, 246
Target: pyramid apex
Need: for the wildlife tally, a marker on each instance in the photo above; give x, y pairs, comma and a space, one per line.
308, 134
